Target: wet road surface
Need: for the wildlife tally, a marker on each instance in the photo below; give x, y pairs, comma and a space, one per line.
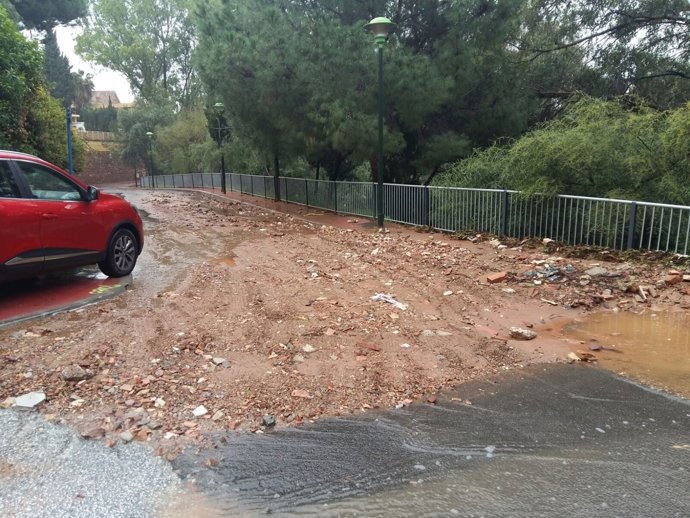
559, 440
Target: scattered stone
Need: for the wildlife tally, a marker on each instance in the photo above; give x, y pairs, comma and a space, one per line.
607, 295
431, 399
496, 277
8, 402
547, 241
126, 387
308, 348
30, 400
572, 357
447, 293
405, 346
370, 346
76, 373
221, 362
199, 411
686, 278
508, 290
126, 436
585, 356
301, 394
298, 358
596, 271
269, 420
218, 415
672, 279
522, 334
93, 431
159, 402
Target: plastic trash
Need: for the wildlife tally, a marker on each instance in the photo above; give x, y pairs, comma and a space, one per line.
387, 298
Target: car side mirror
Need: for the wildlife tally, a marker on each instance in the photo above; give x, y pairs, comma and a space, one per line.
91, 193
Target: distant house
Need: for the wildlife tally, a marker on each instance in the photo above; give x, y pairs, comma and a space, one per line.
105, 98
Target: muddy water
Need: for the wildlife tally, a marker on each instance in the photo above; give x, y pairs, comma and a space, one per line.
650, 347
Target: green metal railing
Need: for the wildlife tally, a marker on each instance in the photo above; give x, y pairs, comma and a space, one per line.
576, 220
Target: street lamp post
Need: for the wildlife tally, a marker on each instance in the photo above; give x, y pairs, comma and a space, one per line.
69, 140
153, 173
219, 108
381, 27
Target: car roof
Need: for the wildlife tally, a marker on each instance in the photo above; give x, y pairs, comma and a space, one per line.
6, 153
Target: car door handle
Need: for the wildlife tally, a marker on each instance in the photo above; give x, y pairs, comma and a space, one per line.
50, 215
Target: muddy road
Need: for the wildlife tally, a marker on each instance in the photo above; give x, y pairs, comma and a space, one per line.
239, 317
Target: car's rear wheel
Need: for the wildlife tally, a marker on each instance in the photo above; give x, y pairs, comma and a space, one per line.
121, 256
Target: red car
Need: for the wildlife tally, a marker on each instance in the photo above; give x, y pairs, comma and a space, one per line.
51, 221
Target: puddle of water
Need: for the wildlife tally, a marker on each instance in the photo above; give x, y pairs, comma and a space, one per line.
650, 347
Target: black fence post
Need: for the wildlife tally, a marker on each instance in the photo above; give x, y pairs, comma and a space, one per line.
426, 207
306, 192
192, 180
251, 181
241, 185
631, 226
505, 206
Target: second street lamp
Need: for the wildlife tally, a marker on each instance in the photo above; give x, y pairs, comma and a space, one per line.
151, 170
381, 27
219, 108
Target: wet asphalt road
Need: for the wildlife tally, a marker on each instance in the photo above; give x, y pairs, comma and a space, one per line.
549, 441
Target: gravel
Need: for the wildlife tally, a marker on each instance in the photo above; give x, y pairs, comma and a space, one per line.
47, 470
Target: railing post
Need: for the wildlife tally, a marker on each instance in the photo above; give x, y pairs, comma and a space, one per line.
306, 192
251, 181
426, 207
192, 180
335, 196
241, 184
631, 226
505, 206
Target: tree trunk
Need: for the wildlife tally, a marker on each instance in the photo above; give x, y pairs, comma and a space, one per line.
276, 176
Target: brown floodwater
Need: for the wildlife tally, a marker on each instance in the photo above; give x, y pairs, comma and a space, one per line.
651, 347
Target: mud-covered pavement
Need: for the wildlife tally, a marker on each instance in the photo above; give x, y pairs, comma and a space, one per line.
238, 316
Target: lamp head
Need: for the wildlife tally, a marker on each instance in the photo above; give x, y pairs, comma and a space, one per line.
380, 27
219, 108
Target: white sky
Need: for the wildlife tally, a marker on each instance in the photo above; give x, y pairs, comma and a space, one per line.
103, 78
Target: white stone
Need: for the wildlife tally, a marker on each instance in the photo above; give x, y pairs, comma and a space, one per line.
30, 400
199, 411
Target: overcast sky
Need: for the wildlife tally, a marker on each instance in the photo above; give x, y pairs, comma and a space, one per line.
103, 78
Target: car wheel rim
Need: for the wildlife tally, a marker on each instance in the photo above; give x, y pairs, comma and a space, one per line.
124, 253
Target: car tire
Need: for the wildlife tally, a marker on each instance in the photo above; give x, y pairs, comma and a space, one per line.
121, 256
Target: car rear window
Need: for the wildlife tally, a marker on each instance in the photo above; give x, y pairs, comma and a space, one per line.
8, 187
